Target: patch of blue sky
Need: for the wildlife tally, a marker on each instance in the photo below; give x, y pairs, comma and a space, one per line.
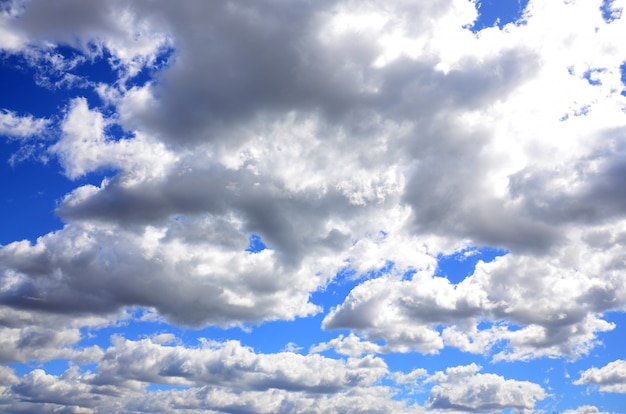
33, 201
30, 205
498, 13
96, 70
385, 269
56, 366
115, 132
23, 368
18, 85
256, 244
461, 264
623, 77
52, 367
165, 387
278, 336
591, 78
582, 111
148, 72
337, 290
609, 11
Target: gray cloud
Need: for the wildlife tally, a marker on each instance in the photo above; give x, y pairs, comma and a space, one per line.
348, 136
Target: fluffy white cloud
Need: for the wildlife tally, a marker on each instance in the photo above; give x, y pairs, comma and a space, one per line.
49, 394
401, 140
350, 345
85, 269
225, 377
461, 388
350, 136
585, 409
230, 364
33, 28
555, 314
610, 378
15, 126
84, 147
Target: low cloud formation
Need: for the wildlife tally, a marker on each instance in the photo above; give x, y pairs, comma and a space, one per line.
586, 409
462, 388
359, 142
610, 378
206, 377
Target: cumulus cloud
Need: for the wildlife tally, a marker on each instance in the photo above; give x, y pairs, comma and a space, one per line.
34, 28
558, 313
22, 127
350, 345
283, 382
610, 378
230, 364
84, 147
423, 112
222, 286
361, 138
585, 409
462, 388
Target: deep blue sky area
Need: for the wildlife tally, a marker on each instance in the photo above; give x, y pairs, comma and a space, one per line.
498, 13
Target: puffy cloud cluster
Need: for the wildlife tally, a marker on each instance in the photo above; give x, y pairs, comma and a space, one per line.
461, 388
556, 302
228, 377
21, 127
610, 378
215, 377
349, 136
585, 409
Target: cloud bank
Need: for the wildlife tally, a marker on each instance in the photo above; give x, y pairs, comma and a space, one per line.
367, 138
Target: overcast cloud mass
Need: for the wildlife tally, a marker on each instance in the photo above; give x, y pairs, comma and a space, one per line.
231, 166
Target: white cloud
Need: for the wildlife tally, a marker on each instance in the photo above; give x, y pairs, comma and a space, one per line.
585, 409
409, 378
557, 314
222, 376
231, 364
29, 335
11, 38
224, 284
350, 345
21, 127
405, 313
348, 136
85, 147
133, 41
461, 388
610, 378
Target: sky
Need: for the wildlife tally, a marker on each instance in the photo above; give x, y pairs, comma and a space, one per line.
330, 206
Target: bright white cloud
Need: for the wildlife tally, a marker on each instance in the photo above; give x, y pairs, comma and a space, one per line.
610, 378
585, 409
350, 345
283, 382
84, 147
22, 127
230, 364
462, 388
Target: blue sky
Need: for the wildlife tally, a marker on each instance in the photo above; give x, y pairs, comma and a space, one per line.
334, 207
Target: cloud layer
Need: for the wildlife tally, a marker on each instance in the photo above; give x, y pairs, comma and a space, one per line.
361, 138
